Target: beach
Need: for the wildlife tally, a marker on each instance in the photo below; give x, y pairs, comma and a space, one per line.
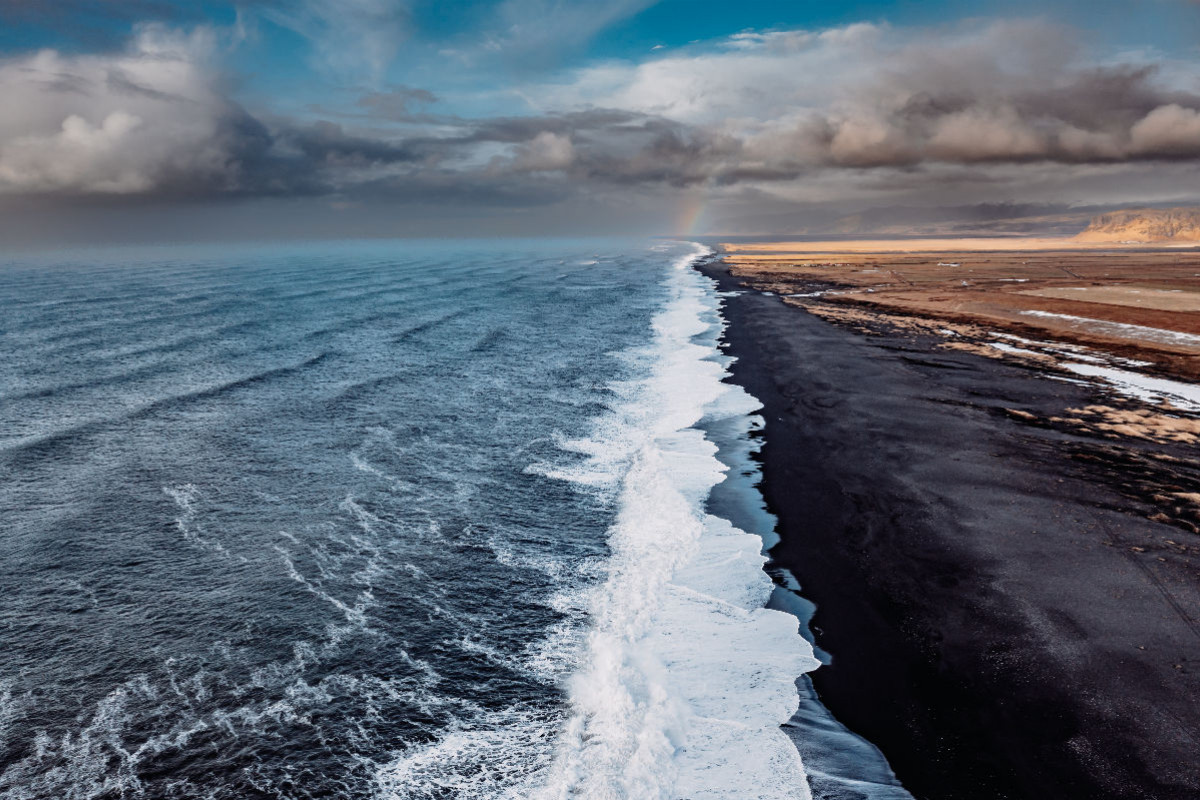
1005, 575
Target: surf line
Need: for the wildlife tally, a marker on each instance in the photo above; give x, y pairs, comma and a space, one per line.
839, 763
687, 676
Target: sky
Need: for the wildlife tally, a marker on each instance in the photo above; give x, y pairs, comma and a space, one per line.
164, 120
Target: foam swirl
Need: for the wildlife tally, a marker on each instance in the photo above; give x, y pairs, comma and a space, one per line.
686, 676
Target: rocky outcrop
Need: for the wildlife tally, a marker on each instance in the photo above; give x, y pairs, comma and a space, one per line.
1145, 225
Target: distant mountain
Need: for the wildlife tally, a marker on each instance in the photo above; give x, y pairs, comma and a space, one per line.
1145, 225
983, 219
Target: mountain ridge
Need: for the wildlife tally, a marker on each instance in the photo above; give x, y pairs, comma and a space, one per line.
1144, 225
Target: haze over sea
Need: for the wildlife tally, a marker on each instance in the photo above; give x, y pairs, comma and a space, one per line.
414, 520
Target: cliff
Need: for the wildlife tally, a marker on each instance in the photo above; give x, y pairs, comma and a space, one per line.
1145, 225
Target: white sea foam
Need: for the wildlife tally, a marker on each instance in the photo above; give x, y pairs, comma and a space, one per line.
186, 496
686, 677
678, 679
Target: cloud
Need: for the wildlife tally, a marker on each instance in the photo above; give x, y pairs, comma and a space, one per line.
869, 96
536, 33
746, 77
140, 120
396, 102
1169, 130
80, 155
352, 39
850, 114
985, 134
156, 120
546, 152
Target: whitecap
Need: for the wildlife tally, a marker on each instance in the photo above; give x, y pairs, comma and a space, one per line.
685, 677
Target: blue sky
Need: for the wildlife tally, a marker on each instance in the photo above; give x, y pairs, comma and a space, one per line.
611, 113
286, 62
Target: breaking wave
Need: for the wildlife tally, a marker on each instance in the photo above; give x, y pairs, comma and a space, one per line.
686, 677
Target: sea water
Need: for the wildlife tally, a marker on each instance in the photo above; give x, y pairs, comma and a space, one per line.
382, 520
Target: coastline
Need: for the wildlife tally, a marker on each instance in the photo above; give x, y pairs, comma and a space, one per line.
984, 587
837, 763
685, 675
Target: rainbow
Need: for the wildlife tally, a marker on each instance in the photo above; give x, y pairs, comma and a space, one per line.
691, 212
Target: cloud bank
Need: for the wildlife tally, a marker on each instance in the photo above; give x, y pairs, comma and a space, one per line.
857, 111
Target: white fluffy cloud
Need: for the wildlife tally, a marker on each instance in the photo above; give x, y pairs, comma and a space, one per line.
114, 124
545, 152
1169, 130
867, 95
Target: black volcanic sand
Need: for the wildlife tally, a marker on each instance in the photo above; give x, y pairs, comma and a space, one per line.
993, 628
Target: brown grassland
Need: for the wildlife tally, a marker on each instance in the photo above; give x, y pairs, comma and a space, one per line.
977, 282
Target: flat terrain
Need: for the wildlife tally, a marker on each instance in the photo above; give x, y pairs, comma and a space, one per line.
1124, 295
957, 244
1140, 303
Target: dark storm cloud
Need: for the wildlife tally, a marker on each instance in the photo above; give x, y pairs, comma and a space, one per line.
877, 110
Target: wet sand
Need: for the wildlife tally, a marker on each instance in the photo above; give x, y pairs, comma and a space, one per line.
1009, 591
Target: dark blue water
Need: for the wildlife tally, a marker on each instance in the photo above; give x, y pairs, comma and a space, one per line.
268, 518
392, 520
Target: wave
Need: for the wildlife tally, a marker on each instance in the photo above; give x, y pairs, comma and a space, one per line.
41, 445
686, 677
428, 325
489, 341
127, 373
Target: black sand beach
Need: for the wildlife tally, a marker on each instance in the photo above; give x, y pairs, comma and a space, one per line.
1005, 618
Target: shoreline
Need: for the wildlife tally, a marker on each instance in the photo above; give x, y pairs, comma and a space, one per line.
837, 763
684, 676
972, 571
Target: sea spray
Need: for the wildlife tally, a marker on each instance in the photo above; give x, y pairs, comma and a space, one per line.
686, 676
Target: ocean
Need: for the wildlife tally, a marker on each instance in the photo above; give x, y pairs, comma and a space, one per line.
387, 520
